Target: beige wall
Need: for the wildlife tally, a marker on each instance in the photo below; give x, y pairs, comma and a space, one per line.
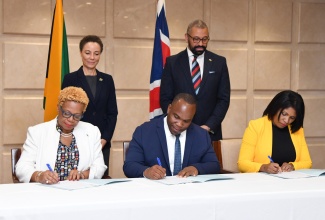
270, 45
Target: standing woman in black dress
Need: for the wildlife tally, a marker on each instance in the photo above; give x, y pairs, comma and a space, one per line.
100, 89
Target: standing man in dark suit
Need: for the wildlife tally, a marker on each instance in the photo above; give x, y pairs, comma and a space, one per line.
202, 74
171, 145
102, 108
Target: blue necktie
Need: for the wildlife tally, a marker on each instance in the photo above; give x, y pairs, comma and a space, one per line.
177, 159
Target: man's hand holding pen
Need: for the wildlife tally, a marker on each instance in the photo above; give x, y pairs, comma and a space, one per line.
155, 172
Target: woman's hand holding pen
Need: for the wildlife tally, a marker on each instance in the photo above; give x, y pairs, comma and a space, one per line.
47, 177
271, 168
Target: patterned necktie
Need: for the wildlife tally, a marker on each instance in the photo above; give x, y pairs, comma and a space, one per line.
177, 159
196, 75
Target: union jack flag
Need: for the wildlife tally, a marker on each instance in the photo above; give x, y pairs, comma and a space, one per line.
161, 50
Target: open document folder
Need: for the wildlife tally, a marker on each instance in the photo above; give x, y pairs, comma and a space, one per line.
82, 184
173, 180
304, 173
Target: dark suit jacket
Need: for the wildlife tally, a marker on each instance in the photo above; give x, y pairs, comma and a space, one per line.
102, 109
149, 142
214, 94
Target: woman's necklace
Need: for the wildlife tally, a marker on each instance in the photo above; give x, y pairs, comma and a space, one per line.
66, 134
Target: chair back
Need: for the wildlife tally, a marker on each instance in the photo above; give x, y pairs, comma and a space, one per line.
230, 152
125, 148
15, 155
217, 149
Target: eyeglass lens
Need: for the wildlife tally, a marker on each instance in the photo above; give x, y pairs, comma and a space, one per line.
67, 114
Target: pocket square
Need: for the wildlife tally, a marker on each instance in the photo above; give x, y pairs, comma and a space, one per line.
212, 72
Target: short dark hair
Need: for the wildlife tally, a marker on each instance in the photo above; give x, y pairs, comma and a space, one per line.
91, 38
286, 99
186, 97
197, 23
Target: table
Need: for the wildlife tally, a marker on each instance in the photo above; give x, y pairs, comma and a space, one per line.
247, 196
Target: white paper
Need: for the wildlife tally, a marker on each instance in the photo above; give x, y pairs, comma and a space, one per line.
304, 173
82, 184
173, 180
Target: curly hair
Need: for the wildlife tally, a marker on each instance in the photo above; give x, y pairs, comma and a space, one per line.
75, 94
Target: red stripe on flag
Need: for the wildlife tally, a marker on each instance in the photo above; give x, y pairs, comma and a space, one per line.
165, 52
154, 99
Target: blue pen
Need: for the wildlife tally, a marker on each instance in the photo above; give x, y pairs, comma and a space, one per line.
158, 160
49, 166
270, 159
50, 169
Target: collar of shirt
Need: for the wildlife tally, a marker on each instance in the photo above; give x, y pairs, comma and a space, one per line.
200, 60
170, 139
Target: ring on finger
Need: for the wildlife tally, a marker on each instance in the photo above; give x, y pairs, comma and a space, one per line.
47, 181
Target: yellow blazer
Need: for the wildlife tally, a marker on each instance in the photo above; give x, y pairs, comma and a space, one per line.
257, 145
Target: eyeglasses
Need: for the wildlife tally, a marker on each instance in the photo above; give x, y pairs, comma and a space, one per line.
67, 114
197, 40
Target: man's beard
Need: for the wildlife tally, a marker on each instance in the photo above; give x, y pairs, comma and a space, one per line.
198, 52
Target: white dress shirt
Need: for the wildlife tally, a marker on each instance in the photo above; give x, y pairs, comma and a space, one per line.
170, 139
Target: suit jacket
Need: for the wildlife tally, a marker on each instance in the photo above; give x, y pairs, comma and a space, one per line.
41, 147
102, 109
214, 94
257, 146
149, 142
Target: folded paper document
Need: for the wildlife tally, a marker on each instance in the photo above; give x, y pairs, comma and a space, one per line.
304, 173
173, 180
82, 184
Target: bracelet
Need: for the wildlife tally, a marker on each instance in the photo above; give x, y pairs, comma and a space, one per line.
82, 175
38, 175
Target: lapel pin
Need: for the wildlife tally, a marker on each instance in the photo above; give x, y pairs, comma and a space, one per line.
210, 60
100, 79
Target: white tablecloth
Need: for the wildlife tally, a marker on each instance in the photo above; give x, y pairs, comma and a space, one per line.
247, 196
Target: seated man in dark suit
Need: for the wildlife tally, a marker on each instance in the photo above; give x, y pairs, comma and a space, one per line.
171, 145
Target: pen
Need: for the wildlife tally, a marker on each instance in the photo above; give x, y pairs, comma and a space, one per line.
158, 160
50, 169
49, 166
270, 159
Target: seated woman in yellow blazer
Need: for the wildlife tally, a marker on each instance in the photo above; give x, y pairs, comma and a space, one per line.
276, 142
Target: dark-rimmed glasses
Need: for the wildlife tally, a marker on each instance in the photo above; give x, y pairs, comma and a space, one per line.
197, 40
67, 114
